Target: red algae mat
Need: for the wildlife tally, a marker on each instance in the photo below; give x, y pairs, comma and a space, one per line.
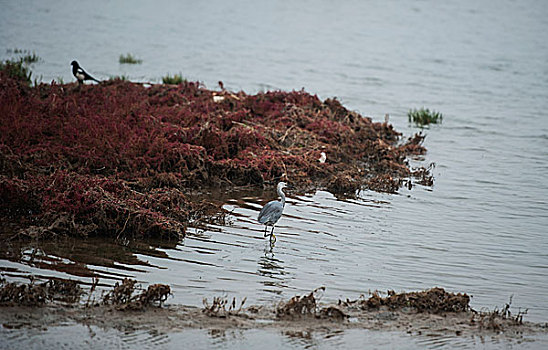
121, 159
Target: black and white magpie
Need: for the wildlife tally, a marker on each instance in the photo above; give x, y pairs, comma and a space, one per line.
81, 74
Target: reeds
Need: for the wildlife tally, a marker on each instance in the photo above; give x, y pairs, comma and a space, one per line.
129, 59
27, 57
18, 70
173, 79
424, 116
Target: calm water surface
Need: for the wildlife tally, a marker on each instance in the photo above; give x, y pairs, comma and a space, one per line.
93, 337
482, 228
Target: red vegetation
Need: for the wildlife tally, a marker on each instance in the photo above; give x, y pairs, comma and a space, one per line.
115, 158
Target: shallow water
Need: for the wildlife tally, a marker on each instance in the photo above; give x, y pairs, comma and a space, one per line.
93, 337
481, 229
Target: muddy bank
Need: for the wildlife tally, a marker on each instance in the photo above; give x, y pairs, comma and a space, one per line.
127, 304
122, 159
176, 318
396, 312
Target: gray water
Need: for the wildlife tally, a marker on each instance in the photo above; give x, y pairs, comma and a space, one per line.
482, 228
93, 337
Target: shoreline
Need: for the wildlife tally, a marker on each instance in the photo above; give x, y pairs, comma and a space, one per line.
128, 306
177, 318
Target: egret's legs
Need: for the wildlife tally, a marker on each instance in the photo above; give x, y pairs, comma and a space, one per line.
272, 236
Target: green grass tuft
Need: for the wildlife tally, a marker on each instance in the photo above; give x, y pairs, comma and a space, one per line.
119, 77
129, 59
31, 58
17, 51
28, 57
175, 79
17, 69
424, 116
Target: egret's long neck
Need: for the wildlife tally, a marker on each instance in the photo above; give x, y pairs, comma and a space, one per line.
282, 195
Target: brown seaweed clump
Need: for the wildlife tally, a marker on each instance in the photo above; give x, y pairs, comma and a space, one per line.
221, 307
406, 311
121, 159
123, 298
306, 306
299, 305
435, 300
123, 295
31, 294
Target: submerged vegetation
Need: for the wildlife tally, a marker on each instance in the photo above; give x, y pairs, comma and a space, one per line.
123, 160
173, 79
424, 116
129, 59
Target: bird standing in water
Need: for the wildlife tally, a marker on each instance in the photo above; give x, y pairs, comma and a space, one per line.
272, 212
80, 74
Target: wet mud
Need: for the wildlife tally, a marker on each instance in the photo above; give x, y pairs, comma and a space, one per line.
434, 312
125, 160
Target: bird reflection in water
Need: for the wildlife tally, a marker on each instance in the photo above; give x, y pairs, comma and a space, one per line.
273, 269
